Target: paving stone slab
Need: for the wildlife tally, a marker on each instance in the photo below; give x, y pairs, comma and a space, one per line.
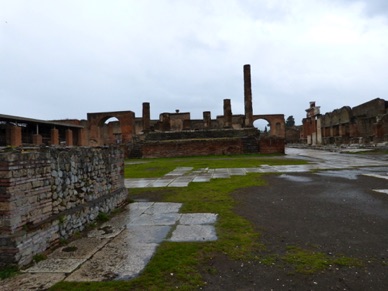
198, 218
163, 182
120, 259
56, 265
202, 178
156, 219
147, 233
138, 183
82, 248
237, 171
26, 281
163, 207
187, 233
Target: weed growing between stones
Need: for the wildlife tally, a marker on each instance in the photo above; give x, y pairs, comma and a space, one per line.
8, 272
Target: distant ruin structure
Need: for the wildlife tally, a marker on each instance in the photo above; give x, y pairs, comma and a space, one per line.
363, 124
144, 137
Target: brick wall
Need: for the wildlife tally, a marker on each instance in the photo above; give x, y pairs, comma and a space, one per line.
50, 193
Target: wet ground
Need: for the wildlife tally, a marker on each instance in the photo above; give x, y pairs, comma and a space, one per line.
341, 208
334, 212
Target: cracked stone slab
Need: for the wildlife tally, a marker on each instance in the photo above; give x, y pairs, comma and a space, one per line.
26, 281
120, 259
156, 219
138, 183
198, 218
164, 207
147, 233
162, 182
193, 233
82, 248
56, 265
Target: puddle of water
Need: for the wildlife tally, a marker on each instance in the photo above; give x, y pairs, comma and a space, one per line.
346, 174
296, 178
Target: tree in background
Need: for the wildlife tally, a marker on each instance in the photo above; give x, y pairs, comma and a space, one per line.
290, 122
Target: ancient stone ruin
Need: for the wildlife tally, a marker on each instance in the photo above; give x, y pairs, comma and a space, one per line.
56, 177
48, 194
363, 124
173, 134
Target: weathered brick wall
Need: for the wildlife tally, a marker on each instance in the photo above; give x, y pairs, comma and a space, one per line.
271, 145
194, 147
50, 193
203, 142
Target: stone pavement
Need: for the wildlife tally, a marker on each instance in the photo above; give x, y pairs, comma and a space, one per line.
319, 160
122, 247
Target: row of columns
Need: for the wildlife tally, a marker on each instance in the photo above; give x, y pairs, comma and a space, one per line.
37, 139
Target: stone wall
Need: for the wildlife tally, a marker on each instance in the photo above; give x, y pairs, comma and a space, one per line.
194, 147
271, 145
50, 193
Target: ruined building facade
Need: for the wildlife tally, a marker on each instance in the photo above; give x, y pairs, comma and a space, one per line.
172, 134
362, 124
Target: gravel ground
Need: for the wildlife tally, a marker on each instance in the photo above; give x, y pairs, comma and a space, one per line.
323, 213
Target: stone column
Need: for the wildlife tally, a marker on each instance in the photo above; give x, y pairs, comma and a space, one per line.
227, 113
37, 139
319, 130
146, 117
81, 136
248, 96
54, 136
207, 121
16, 136
69, 137
166, 126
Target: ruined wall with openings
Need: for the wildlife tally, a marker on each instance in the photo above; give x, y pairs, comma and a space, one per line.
50, 193
197, 143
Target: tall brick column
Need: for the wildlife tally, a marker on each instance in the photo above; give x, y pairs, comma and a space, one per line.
146, 117
248, 96
207, 121
16, 136
69, 137
227, 113
37, 139
54, 136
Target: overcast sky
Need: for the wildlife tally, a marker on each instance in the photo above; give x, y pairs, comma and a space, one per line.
62, 59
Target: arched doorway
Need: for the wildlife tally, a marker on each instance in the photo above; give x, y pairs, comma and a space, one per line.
111, 127
262, 125
110, 131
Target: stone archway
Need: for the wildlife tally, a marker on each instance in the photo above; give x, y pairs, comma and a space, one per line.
277, 125
97, 120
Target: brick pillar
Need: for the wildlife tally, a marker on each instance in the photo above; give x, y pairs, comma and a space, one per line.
81, 136
146, 117
69, 137
37, 139
54, 136
166, 126
227, 113
207, 121
248, 96
16, 136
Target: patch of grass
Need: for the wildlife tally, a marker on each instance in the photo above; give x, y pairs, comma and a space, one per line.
310, 262
102, 217
152, 168
8, 272
39, 257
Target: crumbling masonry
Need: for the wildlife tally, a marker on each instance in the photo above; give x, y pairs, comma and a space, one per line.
172, 134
